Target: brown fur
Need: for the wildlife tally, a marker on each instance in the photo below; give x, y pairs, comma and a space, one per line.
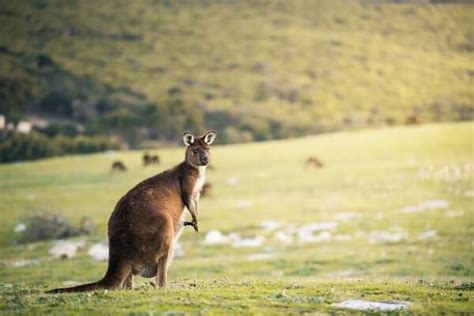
314, 162
146, 221
414, 120
206, 189
118, 166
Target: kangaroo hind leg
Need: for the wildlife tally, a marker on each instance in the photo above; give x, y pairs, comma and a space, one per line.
163, 257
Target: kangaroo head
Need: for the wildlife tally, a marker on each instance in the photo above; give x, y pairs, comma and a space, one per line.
198, 148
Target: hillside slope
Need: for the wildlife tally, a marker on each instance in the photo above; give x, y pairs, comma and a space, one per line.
254, 70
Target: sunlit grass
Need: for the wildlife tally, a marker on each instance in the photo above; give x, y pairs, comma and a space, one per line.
374, 174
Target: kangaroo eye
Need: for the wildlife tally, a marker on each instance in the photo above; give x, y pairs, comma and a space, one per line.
195, 151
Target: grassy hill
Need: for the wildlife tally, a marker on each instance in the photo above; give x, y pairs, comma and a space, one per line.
253, 70
394, 207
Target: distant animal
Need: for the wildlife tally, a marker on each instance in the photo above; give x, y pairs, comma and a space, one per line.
313, 162
206, 189
148, 220
150, 159
118, 166
414, 120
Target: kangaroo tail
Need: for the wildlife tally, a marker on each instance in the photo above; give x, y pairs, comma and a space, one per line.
116, 274
80, 288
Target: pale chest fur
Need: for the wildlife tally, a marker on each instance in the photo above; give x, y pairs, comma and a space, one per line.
198, 184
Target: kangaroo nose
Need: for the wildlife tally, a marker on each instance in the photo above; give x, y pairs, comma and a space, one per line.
204, 160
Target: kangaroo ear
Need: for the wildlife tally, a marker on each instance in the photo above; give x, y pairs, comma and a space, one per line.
188, 138
209, 137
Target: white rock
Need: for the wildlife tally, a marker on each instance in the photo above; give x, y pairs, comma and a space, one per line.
454, 213
426, 205
243, 203
427, 234
283, 237
387, 237
348, 216
233, 236
343, 273
23, 127
215, 237
306, 232
372, 306
318, 226
99, 252
24, 263
232, 180
178, 250
310, 238
64, 249
270, 225
412, 209
431, 204
79, 243
260, 256
342, 237
248, 242
20, 228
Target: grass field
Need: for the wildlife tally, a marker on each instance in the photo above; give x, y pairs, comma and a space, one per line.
392, 213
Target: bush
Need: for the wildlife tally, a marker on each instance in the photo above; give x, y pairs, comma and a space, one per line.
232, 135
36, 146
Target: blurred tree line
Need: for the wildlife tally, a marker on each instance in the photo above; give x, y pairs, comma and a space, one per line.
139, 73
84, 114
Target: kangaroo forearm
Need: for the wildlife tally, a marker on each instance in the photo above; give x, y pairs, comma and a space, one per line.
193, 210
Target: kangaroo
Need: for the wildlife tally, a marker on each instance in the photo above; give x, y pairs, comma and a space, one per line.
118, 166
206, 189
313, 161
150, 159
148, 220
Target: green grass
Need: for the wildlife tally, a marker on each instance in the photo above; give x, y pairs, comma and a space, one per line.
370, 173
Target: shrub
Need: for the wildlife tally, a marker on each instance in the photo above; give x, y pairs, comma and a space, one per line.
36, 146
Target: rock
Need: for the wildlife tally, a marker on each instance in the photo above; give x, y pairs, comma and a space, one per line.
260, 256
215, 237
372, 306
427, 234
270, 225
24, 263
20, 228
64, 250
99, 252
249, 242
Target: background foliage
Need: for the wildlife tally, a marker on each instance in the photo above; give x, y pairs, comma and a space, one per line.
147, 70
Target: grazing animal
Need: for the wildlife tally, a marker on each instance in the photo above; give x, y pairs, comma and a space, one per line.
150, 159
148, 220
118, 166
414, 120
314, 162
206, 189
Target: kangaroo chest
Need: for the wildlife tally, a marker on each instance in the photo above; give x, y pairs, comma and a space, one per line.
198, 184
